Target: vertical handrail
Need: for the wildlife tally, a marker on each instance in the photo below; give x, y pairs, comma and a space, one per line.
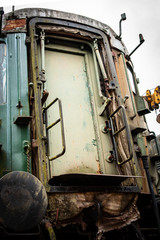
128, 134
60, 119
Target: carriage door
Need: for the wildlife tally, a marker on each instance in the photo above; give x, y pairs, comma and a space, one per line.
70, 114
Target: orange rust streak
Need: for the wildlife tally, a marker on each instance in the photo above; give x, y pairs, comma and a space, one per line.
16, 23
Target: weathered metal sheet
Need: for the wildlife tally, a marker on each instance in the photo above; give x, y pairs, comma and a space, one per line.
15, 140
66, 79
126, 81
30, 12
71, 77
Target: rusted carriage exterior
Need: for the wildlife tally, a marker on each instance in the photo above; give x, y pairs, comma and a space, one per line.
72, 118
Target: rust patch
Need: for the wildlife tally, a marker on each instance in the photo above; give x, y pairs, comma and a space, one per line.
13, 24
99, 169
34, 143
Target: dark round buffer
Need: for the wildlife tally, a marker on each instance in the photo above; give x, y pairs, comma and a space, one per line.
23, 201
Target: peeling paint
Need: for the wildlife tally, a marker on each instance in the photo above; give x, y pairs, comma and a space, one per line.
14, 24
117, 209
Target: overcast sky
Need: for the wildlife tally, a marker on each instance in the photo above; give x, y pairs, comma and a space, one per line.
143, 16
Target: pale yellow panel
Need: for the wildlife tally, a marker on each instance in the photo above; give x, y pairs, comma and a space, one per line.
67, 80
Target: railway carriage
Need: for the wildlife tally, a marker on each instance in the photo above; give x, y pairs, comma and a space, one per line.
77, 160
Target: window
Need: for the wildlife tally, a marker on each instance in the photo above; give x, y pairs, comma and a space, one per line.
131, 78
2, 73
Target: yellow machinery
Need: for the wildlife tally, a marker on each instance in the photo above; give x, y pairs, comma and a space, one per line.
153, 99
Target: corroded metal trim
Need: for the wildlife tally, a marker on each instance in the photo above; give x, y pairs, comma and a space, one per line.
41, 151
32, 27
28, 13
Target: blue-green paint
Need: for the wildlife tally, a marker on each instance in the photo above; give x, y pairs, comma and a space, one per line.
89, 147
13, 152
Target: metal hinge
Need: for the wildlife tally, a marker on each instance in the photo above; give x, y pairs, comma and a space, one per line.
28, 40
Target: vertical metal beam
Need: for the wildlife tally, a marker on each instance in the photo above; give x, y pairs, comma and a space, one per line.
42, 38
41, 151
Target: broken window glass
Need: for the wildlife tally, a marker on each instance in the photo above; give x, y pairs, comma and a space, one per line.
2, 73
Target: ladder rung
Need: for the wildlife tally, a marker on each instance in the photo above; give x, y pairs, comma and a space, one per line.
53, 124
120, 130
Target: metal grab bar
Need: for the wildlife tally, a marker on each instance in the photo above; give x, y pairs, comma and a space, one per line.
54, 123
128, 134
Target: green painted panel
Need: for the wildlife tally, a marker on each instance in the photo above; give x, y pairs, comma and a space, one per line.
14, 137
5, 139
